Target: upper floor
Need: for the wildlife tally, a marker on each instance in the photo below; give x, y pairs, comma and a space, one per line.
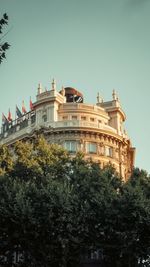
65, 108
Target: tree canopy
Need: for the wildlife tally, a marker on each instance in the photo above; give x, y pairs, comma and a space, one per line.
56, 210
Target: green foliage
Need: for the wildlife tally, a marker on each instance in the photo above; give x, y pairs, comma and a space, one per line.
135, 217
6, 161
36, 161
51, 158
26, 166
3, 45
55, 208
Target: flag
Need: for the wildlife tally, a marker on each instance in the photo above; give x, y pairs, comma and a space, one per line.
18, 112
9, 116
4, 119
31, 104
23, 108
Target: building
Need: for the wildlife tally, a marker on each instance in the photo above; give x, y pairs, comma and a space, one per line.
63, 118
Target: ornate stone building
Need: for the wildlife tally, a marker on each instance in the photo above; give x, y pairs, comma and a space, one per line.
64, 118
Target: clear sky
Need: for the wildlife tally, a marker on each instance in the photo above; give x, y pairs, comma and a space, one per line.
92, 45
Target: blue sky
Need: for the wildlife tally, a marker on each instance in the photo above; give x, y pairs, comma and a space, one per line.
92, 45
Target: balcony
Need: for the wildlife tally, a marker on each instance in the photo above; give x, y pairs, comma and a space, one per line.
18, 127
82, 124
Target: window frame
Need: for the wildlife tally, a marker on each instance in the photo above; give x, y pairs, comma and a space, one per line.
89, 147
68, 145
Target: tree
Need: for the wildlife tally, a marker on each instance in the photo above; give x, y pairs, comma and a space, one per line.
56, 208
3, 45
6, 161
37, 160
136, 220
127, 224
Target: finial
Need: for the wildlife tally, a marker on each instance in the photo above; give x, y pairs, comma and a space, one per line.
99, 98
63, 91
54, 85
39, 88
114, 95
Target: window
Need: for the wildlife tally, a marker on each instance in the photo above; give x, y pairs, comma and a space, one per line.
83, 118
71, 146
92, 254
33, 118
91, 119
91, 148
108, 151
65, 117
96, 254
44, 117
74, 117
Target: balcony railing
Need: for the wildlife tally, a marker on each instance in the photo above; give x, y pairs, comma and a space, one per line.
24, 125
79, 123
18, 126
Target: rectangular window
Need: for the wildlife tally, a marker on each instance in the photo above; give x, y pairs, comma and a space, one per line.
91, 119
65, 118
83, 118
33, 118
91, 148
108, 151
44, 117
71, 146
74, 117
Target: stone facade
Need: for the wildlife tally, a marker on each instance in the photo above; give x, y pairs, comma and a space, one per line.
96, 130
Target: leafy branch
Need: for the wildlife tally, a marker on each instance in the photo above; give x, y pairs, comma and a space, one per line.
3, 45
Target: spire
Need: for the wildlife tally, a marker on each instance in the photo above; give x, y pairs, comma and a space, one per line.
114, 95
54, 85
39, 88
99, 98
62, 91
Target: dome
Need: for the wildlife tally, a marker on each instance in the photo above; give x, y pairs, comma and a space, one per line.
73, 95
